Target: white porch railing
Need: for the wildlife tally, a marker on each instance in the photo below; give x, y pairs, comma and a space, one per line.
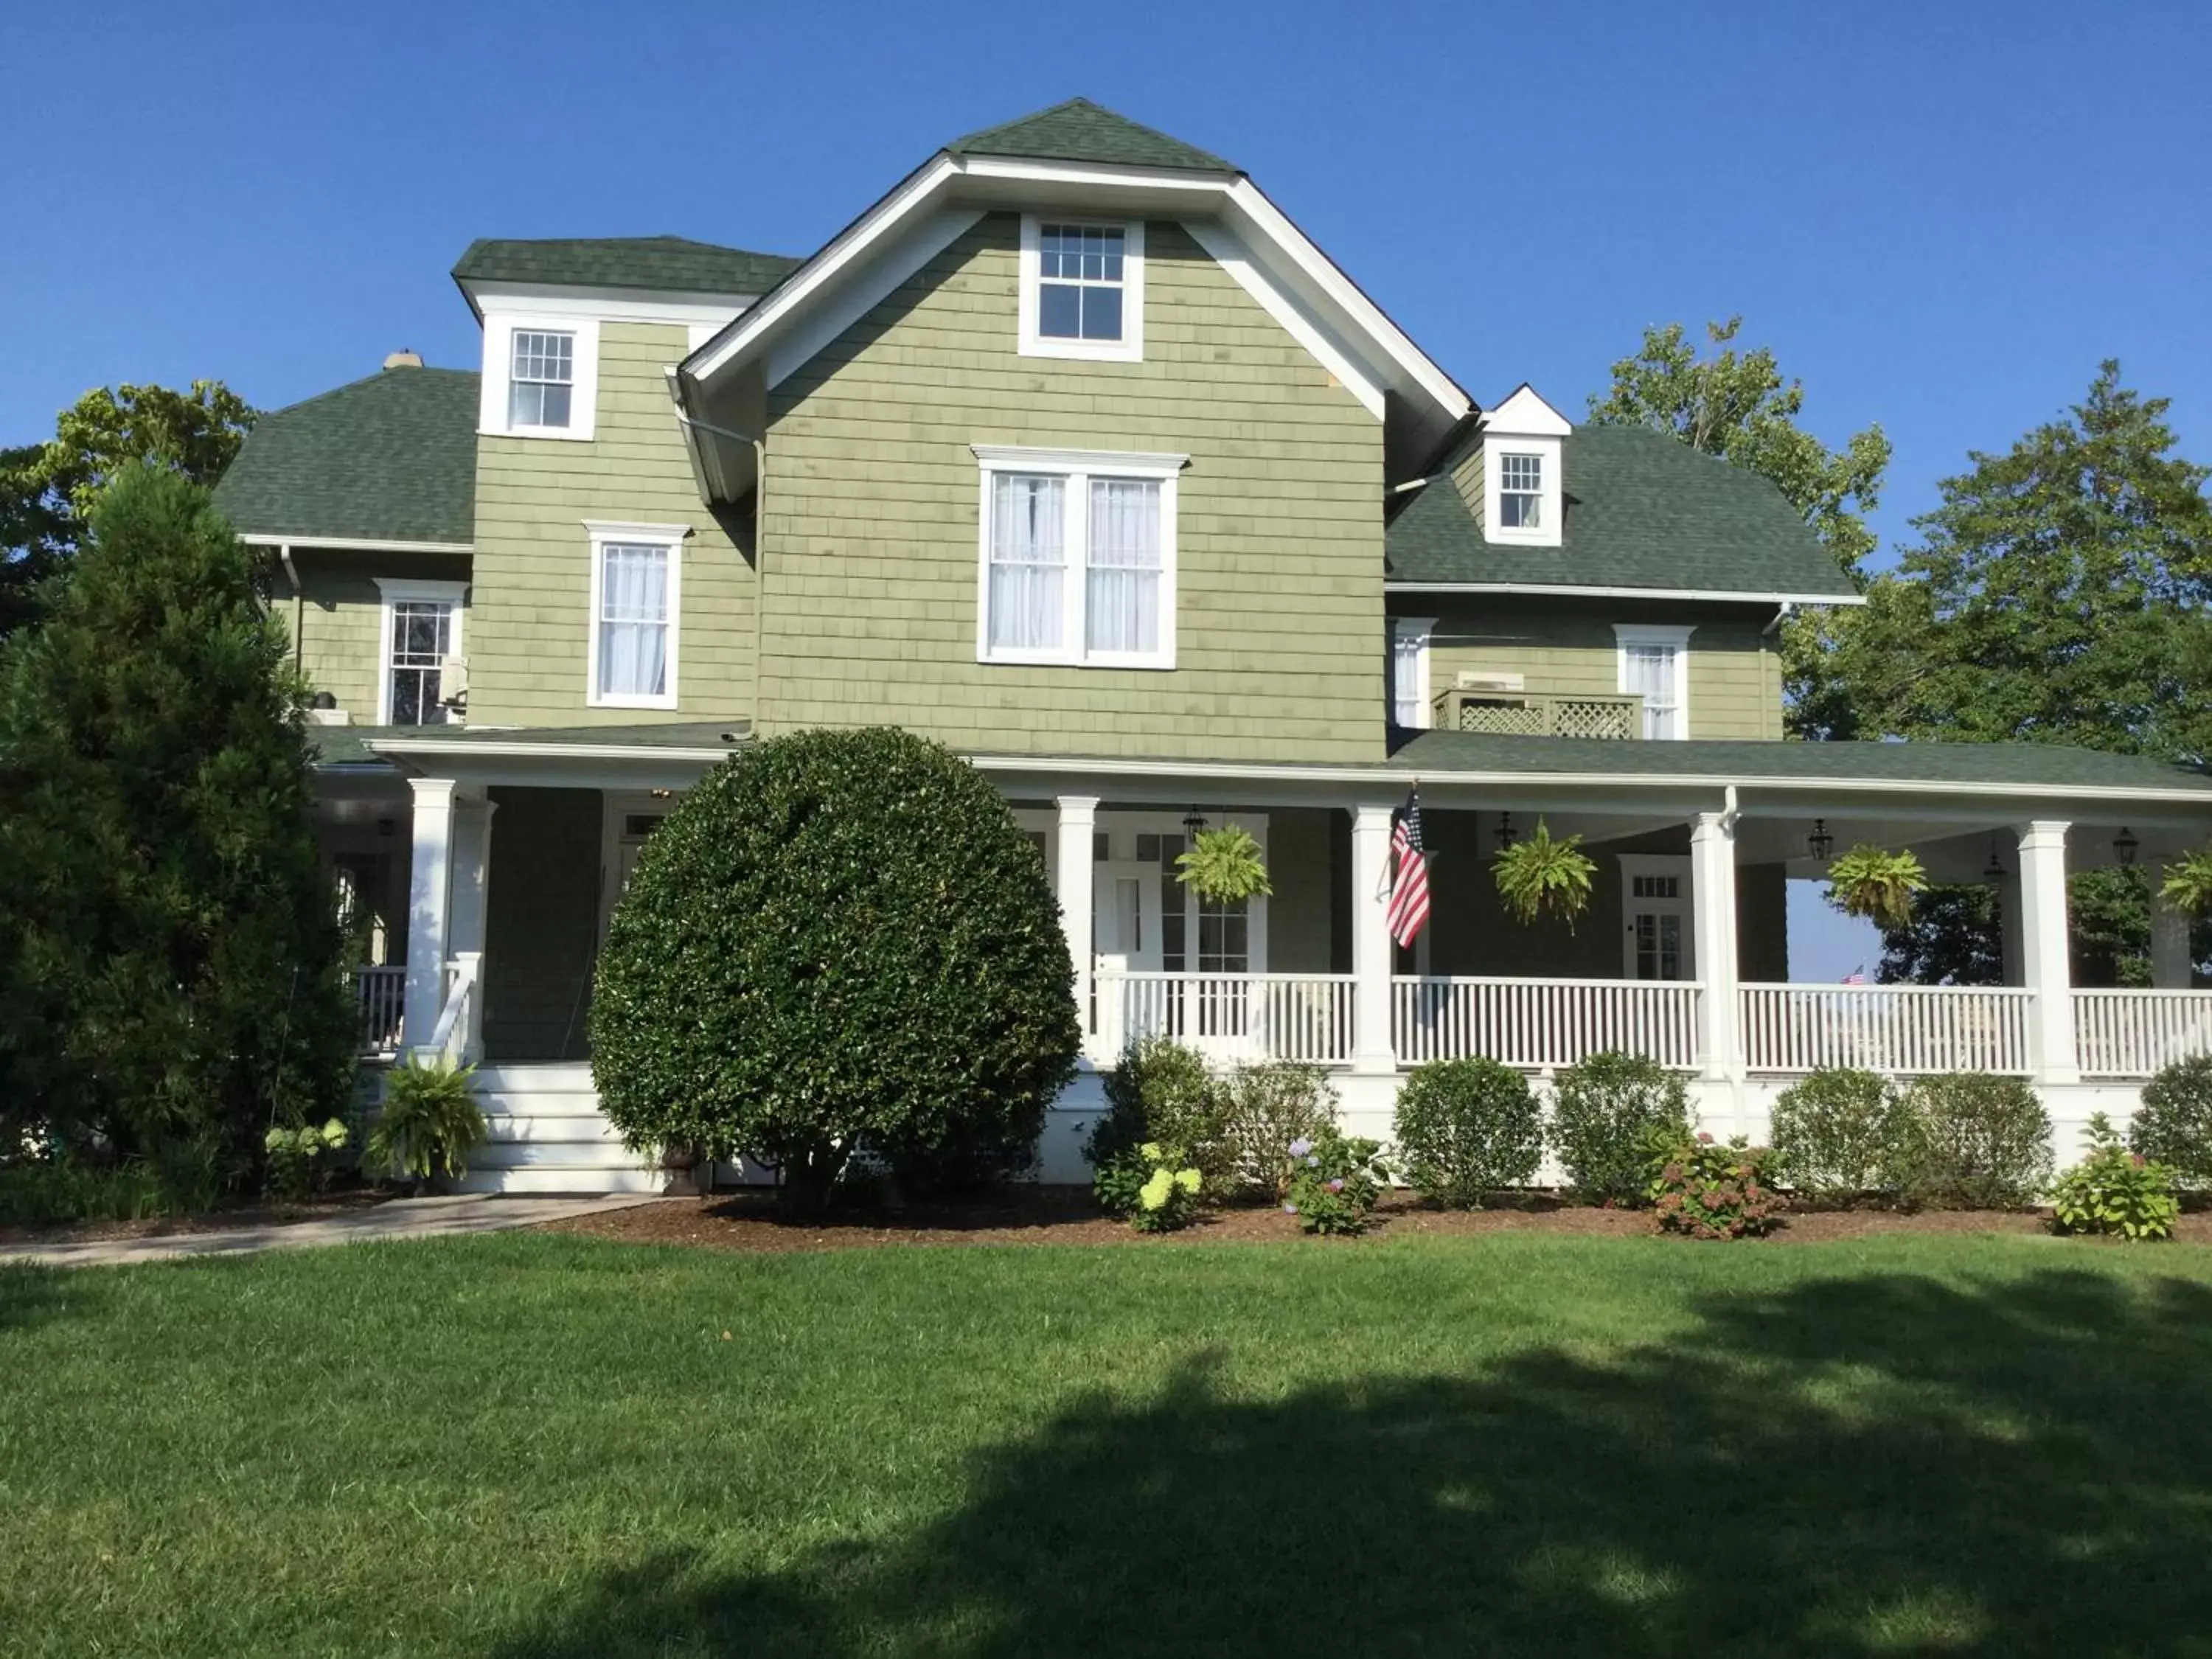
1536, 1023
457, 1040
381, 995
2134, 1033
1242, 1016
1902, 1029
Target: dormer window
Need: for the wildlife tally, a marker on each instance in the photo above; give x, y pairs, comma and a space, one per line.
1083, 289
542, 378
1520, 491
540, 373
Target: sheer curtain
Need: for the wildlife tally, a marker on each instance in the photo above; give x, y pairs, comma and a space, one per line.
634, 622
1122, 603
1028, 521
1651, 673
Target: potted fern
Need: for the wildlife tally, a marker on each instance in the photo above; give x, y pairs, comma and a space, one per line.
1541, 874
1224, 865
1874, 883
2188, 884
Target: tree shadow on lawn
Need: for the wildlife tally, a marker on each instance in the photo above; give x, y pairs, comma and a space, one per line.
32, 1293
1876, 1464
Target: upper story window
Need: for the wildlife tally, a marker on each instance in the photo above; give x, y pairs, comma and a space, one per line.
1409, 672
419, 653
541, 378
1077, 558
636, 583
541, 375
1654, 664
1520, 491
1082, 289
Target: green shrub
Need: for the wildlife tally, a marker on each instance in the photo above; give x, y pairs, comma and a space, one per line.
1265, 1108
1468, 1128
302, 1160
2173, 1124
1984, 1141
1707, 1190
429, 1122
54, 1183
1598, 1110
1846, 1133
838, 939
1334, 1182
1161, 1090
2114, 1190
1167, 1195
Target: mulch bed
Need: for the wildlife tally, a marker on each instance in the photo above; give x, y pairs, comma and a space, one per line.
1065, 1215
211, 1221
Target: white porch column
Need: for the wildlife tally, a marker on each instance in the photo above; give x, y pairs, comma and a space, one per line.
470, 887
1712, 897
2170, 965
2042, 952
1371, 1048
429, 909
1079, 819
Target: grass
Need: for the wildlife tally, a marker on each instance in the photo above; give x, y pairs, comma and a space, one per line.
540, 1445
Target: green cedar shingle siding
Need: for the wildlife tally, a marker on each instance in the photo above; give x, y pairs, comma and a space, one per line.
662, 264
1080, 131
392, 458
872, 498
1643, 510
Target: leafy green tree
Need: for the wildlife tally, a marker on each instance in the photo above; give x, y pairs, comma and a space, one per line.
46, 490
169, 952
1737, 405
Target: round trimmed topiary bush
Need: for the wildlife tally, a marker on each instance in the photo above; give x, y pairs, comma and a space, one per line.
2173, 1124
1603, 1113
837, 938
1844, 1134
1466, 1128
1985, 1141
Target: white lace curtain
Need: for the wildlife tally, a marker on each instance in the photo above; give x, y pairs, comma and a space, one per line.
634, 622
1029, 561
1651, 673
1123, 601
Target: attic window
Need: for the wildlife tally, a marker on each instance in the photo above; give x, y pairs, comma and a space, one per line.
1083, 289
542, 379
1521, 491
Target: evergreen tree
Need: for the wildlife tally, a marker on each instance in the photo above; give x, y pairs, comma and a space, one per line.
169, 954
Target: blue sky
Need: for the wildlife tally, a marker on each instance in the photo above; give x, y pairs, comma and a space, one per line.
1940, 216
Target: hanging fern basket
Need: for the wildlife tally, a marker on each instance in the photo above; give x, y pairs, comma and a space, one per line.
1541, 876
2188, 884
1879, 884
1224, 865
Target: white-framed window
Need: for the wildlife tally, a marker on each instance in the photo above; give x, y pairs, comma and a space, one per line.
1654, 664
541, 376
1082, 289
636, 603
1409, 671
417, 643
1520, 491
1521, 480
1076, 558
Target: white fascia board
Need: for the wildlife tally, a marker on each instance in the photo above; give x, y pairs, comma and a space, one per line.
609, 304
362, 543
418, 750
1299, 319
1526, 415
893, 258
1732, 596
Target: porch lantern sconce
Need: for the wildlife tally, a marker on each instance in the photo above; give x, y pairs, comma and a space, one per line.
1194, 823
1994, 870
2125, 846
1820, 844
1505, 836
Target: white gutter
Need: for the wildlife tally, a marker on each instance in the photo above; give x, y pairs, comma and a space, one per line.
1736, 596
366, 543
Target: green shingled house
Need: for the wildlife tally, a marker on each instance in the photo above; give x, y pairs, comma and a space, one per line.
1074, 452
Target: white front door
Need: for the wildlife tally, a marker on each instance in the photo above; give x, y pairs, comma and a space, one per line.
1125, 916
631, 829
1655, 898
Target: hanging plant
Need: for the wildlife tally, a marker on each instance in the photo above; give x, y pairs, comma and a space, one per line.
1874, 883
2188, 884
1541, 874
1224, 865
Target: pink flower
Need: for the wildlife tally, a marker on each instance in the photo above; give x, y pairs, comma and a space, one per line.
1337, 1185
1704, 1139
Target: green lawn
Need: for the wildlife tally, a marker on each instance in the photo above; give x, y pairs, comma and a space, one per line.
542, 1445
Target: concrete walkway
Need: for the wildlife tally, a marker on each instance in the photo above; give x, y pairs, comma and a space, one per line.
402, 1218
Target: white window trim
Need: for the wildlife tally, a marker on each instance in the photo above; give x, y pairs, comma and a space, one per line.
1630, 633
1634, 865
670, 536
1410, 648
390, 591
1079, 467
1495, 446
1130, 347
499, 331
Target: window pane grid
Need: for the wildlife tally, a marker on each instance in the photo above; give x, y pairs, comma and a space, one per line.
1652, 675
422, 638
541, 376
1080, 268
1105, 534
1521, 491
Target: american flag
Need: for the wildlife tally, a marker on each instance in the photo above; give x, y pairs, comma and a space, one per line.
1857, 977
1409, 873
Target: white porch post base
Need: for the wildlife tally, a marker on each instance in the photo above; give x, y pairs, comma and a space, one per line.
2043, 952
1077, 820
2171, 969
1372, 1048
1712, 893
429, 910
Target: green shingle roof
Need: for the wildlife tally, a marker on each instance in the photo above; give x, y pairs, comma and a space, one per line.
390, 459
1080, 131
1643, 510
2028, 765
669, 264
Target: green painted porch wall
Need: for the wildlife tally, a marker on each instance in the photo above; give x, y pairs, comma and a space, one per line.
1564, 646
871, 506
336, 625
542, 923
1300, 915
529, 646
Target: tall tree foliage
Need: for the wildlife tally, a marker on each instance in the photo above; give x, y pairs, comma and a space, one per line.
1737, 404
47, 489
169, 954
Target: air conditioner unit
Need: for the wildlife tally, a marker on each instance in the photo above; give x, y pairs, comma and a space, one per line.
329, 717
1470, 679
452, 677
